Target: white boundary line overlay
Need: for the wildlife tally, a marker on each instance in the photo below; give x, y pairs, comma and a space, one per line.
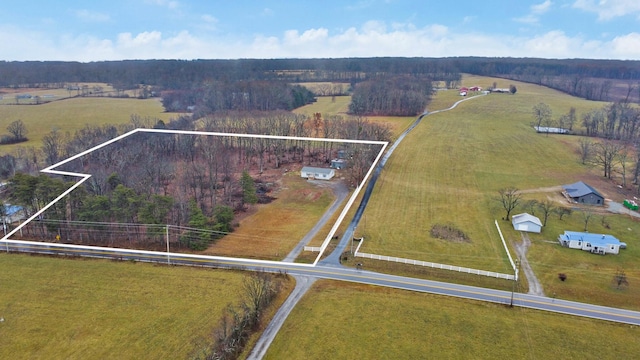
84, 177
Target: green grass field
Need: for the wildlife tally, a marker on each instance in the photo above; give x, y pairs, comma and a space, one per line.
73, 114
58, 308
349, 321
449, 169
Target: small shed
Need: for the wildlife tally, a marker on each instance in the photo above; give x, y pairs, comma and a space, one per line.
526, 222
338, 163
317, 173
593, 243
582, 193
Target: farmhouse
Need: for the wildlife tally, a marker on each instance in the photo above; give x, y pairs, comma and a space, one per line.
317, 173
593, 243
583, 194
526, 222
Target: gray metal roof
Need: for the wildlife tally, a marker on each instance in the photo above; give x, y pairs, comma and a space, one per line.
580, 189
310, 169
524, 217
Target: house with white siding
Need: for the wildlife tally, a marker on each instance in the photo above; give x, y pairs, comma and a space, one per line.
593, 243
317, 173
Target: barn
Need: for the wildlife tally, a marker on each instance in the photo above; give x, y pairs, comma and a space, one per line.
593, 243
317, 173
582, 193
526, 222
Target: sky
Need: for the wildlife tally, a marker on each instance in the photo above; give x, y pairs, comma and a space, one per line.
86, 31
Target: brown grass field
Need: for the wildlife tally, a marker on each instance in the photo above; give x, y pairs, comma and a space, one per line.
273, 230
350, 321
57, 308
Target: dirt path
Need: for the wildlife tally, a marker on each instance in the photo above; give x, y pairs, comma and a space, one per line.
535, 288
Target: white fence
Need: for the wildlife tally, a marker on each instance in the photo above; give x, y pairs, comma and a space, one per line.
313, 248
435, 265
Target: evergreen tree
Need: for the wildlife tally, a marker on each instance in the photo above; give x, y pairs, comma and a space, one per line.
249, 195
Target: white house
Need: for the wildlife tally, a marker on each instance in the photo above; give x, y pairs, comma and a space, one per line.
594, 243
317, 173
526, 222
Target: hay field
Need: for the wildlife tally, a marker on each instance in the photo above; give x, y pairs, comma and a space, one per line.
60, 308
72, 114
448, 170
350, 321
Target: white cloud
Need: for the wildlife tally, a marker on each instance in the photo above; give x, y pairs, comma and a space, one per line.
209, 19
609, 9
527, 19
627, 46
91, 16
541, 8
372, 39
171, 4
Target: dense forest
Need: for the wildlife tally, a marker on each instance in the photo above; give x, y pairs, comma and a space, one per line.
195, 183
585, 78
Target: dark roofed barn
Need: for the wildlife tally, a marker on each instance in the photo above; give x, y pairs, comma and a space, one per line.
582, 193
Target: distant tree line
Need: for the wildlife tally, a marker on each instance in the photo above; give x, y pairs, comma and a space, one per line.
400, 95
181, 74
238, 95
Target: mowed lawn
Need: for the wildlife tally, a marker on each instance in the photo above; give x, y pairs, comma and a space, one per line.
450, 168
73, 114
350, 321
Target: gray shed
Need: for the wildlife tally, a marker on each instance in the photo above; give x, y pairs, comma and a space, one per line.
582, 193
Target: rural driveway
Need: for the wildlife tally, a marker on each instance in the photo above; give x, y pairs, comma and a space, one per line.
303, 283
341, 191
535, 288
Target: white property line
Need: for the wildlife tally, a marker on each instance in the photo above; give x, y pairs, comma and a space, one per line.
432, 265
506, 249
353, 197
85, 177
151, 253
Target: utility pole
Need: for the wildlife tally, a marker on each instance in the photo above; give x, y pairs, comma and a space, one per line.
515, 279
168, 256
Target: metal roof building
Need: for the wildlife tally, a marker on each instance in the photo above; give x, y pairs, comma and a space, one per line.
582, 193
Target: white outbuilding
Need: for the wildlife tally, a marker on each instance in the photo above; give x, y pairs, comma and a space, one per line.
317, 173
526, 222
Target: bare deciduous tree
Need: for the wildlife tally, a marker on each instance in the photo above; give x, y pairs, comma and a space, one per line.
605, 154
542, 113
509, 198
547, 207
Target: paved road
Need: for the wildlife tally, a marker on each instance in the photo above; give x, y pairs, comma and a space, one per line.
343, 274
